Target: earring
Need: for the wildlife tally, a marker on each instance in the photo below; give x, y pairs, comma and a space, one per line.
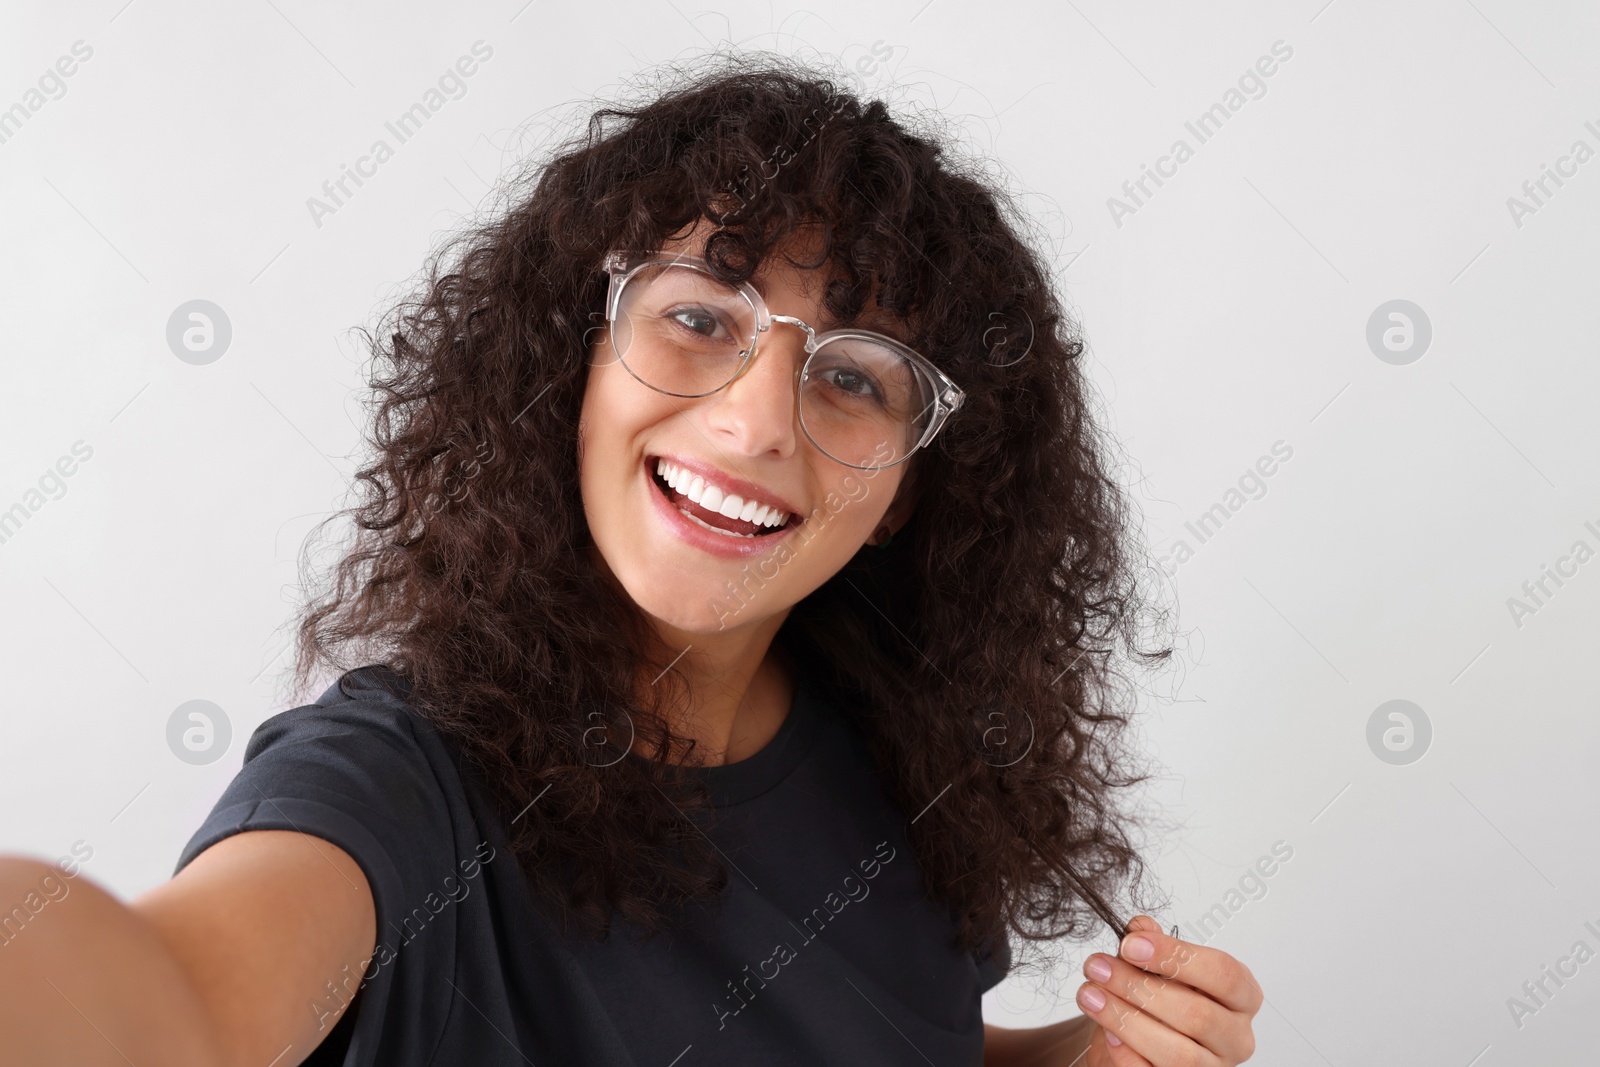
887, 535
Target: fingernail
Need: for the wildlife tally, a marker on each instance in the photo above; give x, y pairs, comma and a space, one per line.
1092, 998
1137, 948
1112, 1039
1099, 969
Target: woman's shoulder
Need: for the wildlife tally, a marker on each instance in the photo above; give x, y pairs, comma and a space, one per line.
363, 770
359, 766
366, 707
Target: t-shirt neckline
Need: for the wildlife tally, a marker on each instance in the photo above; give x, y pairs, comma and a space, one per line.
746, 779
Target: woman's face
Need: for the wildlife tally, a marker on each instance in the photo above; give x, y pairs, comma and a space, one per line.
746, 440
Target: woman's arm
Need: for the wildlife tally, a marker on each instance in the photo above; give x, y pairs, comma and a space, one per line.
1061, 1044
85, 980
246, 957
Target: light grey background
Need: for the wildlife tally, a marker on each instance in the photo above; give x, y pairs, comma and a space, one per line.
1229, 311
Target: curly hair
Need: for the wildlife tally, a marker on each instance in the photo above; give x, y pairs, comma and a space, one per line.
977, 652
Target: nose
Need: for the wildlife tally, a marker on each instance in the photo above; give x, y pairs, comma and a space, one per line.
759, 409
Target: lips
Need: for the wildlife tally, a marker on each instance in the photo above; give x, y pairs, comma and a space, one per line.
713, 519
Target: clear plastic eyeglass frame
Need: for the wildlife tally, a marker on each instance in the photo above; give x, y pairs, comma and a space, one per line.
947, 395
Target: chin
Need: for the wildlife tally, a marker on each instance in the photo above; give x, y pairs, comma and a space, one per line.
709, 612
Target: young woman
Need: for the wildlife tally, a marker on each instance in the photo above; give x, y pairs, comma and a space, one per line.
733, 606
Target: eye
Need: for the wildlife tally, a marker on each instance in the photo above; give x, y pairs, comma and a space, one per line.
852, 383
697, 319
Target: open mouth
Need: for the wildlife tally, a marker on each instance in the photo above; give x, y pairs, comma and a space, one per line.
715, 520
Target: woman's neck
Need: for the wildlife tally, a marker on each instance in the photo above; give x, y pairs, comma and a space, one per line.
734, 712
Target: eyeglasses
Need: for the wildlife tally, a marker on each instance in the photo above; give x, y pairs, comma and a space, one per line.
864, 399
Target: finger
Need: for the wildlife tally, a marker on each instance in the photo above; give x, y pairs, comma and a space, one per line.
1211, 971
1117, 1052
1146, 922
1139, 1031
1174, 1003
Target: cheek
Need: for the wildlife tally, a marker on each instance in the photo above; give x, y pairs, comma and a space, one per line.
603, 428
855, 504
610, 412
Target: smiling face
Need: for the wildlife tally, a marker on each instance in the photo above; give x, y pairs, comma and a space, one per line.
647, 458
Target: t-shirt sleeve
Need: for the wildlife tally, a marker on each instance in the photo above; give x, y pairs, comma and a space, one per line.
357, 774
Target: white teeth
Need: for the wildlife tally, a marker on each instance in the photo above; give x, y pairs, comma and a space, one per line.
713, 498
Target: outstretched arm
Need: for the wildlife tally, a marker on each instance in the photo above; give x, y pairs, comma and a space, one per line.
86, 980
222, 966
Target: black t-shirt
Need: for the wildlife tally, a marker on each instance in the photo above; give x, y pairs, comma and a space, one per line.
824, 951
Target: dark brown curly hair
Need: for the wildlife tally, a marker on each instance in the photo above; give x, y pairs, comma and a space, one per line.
978, 651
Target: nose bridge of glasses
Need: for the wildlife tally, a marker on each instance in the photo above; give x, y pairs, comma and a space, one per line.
811, 335
758, 346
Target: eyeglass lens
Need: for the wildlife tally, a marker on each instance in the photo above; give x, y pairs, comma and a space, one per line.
681, 331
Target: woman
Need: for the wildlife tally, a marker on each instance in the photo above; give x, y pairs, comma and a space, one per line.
733, 601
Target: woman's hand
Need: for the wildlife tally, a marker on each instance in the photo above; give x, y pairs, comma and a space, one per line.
1180, 1005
